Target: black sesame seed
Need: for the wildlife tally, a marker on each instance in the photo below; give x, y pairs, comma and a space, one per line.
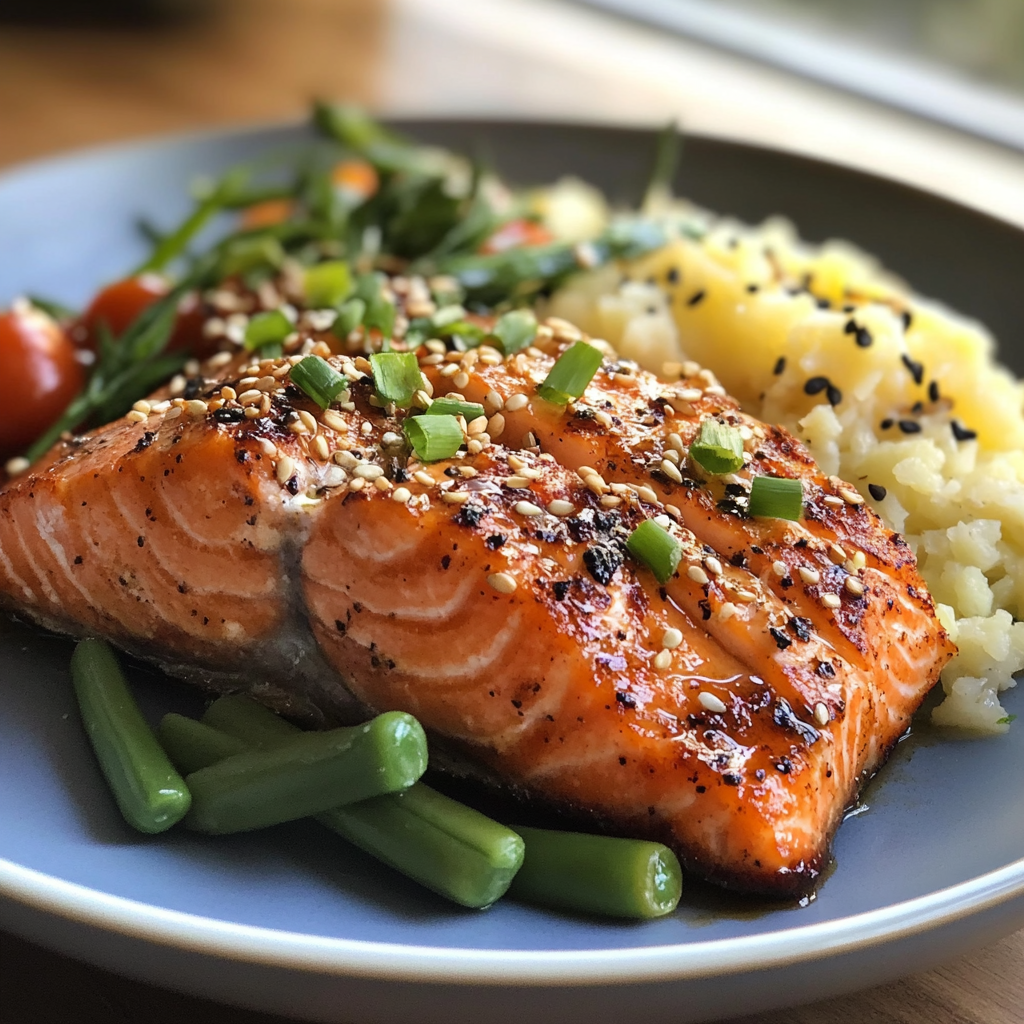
696, 298
834, 395
672, 277
877, 491
910, 426
823, 303
780, 365
933, 391
915, 368
863, 338
908, 318
753, 288
816, 385
230, 416
850, 327
886, 424
192, 387
962, 433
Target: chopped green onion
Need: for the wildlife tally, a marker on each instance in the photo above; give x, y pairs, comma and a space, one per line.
328, 284
396, 376
318, 379
515, 330
448, 315
350, 316
248, 254
433, 437
379, 311
718, 448
453, 407
573, 371
776, 497
267, 328
656, 548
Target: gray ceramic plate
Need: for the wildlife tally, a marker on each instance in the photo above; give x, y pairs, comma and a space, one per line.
284, 922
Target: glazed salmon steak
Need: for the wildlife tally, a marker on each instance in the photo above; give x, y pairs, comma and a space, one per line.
247, 539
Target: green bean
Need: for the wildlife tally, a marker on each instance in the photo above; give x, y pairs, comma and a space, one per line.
457, 852
191, 745
152, 796
598, 874
309, 773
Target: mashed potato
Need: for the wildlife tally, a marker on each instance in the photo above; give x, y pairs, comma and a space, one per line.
890, 391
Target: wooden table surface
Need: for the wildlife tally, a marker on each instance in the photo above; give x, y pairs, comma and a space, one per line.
250, 60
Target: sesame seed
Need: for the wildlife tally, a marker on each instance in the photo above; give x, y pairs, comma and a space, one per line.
17, 465
476, 446
831, 600
809, 575
662, 660
663, 521
467, 471
689, 394
821, 715
671, 471
450, 370
308, 421
745, 596
321, 447
672, 455
142, 406
697, 574
859, 560
401, 495
516, 402
960, 432
833, 501
502, 582
285, 469
493, 401
434, 359
461, 379
713, 565
710, 702
366, 428
727, 610
672, 638
196, 408
477, 425
357, 485
367, 471
517, 482
455, 497
850, 497
527, 508
421, 476
253, 412
676, 442
496, 425
779, 568
136, 417
673, 510
610, 501
647, 494
836, 554
854, 586
173, 413
529, 439
382, 483
250, 397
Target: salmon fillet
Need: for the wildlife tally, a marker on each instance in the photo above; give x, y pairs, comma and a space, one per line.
246, 539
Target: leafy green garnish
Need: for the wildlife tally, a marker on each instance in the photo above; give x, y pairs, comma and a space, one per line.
515, 330
1006, 719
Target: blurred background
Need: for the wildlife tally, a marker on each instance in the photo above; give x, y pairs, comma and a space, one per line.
930, 92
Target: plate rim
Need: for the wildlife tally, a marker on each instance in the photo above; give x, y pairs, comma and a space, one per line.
325, 955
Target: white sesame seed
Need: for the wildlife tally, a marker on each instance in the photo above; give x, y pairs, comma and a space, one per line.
142, 406
136, 417
672, 638
779, 568
493, 401
516, 402
477, 425
558, 507
475, 446
321, 447
689, 394
382, 483
662, 660
502, 582
726, 610
859, 560
253, 412
308, 420
676, 442
610, 501
821, 715
455, 497
527, 508
713, 565
663, 521
251, 397
710, 702
697, 574
529, 440
496, 425
809, 575
672, 455
401, 495
831, 600
832, 500
421, 476
268, 448
461, 379
836, 554
17, 465
467, 471
851, 497
366, 428
647, 494
196, 408
367, 471
357, 485
670, 470
285, 469
434, 359
854, 586
516, 481
745, 596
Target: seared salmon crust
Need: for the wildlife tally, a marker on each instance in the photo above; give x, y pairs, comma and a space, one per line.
246, 539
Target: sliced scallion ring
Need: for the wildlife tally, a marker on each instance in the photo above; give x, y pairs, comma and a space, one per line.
776, 497
656, 548
453, 407
350, 316
328, 284
396, 376
573, 371
318, 379
718, 448
433, 437
515, 330
269, 328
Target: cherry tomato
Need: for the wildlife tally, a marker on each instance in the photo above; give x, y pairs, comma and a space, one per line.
43, 375
517, 234
120, 303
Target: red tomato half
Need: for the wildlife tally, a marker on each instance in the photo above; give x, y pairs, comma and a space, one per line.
120, 303
516, 234
42, 372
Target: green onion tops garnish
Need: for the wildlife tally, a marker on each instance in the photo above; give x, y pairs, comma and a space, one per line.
515, 330
776, 497
328, 284
656, 548
396, 376
380, 311
433, 437
350, 316
318, 379
270, 328
453, 407
718, 448
573, 371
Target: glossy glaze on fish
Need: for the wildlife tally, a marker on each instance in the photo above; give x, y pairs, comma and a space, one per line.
305, 555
